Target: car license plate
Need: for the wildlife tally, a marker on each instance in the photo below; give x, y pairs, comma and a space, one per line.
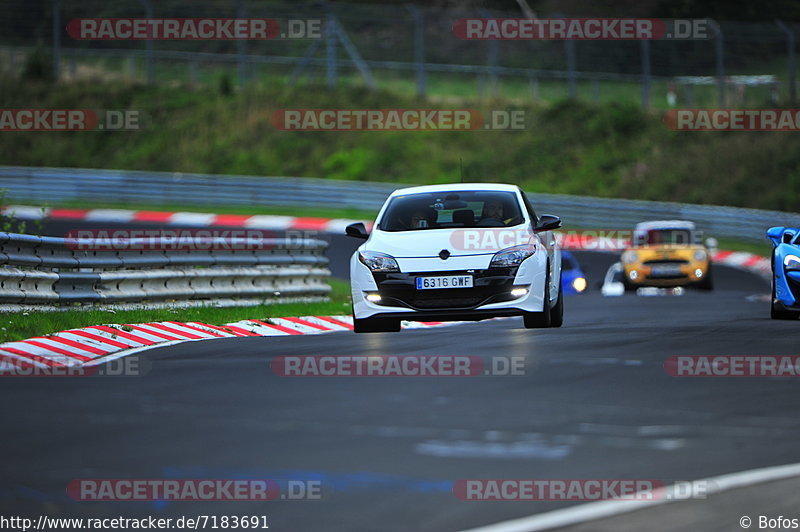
665, 270
450, 281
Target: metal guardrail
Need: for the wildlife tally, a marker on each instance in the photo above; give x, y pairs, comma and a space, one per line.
89, 186
68, 184
35, 270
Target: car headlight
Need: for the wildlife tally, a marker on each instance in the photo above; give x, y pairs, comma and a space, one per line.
629, 257
579, 284
791, 262
378, 262
700, 255
513, 256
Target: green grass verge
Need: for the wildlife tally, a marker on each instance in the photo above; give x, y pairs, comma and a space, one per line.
756, 248
610, 149
19, 325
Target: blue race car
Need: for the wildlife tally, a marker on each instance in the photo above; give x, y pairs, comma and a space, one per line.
785, 272
572, 277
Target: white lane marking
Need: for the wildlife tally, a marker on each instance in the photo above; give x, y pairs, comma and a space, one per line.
608, 361
592, 511
492, 449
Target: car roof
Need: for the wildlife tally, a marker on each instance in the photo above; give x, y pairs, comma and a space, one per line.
665, 224
500, 187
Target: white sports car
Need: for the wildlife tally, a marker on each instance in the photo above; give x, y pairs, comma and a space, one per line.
456, 252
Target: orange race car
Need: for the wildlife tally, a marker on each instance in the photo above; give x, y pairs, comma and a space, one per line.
667, 253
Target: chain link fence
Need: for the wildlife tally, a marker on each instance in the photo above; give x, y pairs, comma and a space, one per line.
408, 49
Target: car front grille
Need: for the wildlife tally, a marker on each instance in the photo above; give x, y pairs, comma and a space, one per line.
665, 262
489, 286
667, 277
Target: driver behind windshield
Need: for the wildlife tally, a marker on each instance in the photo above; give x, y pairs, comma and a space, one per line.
493, 210
423, 218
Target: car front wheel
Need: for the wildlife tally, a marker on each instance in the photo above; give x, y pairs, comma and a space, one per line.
557, 312
777, 311
541, 320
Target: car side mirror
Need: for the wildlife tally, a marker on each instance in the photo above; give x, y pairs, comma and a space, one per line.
357, 230
711, 243
547, 222
775, 234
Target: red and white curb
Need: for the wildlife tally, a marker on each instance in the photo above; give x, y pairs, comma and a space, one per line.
97, 344
744, 261
183, 219
741, 260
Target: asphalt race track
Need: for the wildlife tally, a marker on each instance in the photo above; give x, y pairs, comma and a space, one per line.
594, 402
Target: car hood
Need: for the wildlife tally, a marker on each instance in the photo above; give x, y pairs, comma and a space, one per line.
425, 243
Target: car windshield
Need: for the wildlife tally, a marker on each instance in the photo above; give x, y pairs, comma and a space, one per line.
438, 210
661, 237
568, 263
